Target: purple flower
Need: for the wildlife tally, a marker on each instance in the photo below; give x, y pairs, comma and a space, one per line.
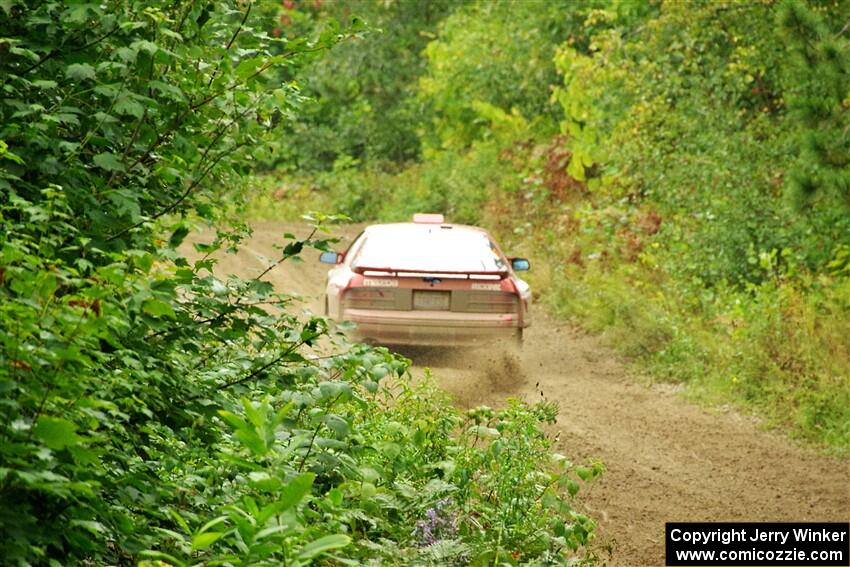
441, 523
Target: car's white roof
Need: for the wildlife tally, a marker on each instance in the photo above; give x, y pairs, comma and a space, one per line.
415, 227
429, 247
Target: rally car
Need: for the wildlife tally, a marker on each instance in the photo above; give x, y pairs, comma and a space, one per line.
427, 282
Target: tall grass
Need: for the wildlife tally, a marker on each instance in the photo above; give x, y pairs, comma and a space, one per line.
780, 349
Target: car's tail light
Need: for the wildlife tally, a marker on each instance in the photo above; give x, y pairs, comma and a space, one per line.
369, 298
485, 302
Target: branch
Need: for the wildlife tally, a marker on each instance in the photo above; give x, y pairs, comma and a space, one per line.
239, 29
310, 448
230, 43
180, 118
195, 183
255, 373
265, 66
181, 198
55, 52
283, 259
130, 142
233, 307
315, 433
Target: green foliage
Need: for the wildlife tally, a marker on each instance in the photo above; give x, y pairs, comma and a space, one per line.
689, 115
820, 100
686, 251
492, 499
136, 108
456, 184
361, 103
331, 456
497, 53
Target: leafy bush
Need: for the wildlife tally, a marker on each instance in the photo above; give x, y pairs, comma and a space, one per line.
496, 53
698, 137
131, 422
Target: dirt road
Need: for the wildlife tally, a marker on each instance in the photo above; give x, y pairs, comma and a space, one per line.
666, 459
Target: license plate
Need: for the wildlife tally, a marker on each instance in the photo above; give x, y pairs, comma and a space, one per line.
432, 300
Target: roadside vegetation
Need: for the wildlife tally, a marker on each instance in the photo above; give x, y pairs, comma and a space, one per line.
678, 171
156, 412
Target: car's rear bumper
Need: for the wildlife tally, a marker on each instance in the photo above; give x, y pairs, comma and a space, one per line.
432, 328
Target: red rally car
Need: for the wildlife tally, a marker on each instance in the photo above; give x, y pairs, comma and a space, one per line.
427, 282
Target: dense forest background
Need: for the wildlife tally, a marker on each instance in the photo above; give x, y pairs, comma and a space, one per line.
678, 171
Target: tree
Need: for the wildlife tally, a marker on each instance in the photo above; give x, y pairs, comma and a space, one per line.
362, 103
821, 99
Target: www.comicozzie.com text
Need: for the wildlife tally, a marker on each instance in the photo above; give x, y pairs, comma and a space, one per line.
755, 534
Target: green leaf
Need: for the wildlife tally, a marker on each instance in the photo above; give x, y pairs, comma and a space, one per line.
77, 14
234, 420
178, 235
251, 440
129, 107
44, 84
179, 519
270, 531
158, 308
336, 496
145, 45
125, 54
160, 557
293, 248
80, 71
248, 67
23, 52
108, 161
584, 473
55, 432
84, 456
367, 490
167, 90
296, 490
212, 523
393, 450
94, 527
337, 424
322, 545
262, 480
204, 540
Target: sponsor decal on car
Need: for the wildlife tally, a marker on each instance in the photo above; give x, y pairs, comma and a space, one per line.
380, 283
487, 286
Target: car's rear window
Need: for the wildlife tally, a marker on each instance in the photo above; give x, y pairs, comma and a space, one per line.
428, 249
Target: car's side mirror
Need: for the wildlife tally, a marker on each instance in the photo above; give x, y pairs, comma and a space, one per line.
520, 264
330, 257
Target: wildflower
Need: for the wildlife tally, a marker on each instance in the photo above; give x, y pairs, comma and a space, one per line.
440, 523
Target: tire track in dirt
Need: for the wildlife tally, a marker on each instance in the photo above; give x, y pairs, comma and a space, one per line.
666, 459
